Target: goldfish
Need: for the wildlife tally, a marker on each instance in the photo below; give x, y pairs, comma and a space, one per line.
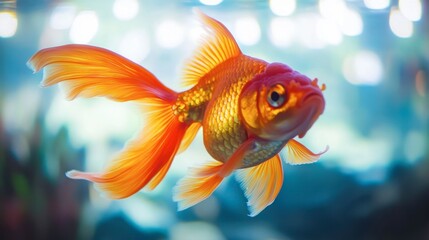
250, 111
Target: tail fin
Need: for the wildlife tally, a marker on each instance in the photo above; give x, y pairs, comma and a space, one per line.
145, 160
90, 71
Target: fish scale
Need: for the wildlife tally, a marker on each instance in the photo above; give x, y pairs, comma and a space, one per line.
263, 151
223, 131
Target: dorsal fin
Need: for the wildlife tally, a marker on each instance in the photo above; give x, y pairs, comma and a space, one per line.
217, 46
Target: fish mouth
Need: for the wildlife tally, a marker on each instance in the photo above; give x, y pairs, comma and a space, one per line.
300, 120
313, 96
315, 105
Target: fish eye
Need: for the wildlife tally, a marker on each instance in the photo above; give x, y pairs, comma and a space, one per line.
276, 96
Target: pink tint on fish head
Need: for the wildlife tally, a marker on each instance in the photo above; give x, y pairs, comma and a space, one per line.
280, 103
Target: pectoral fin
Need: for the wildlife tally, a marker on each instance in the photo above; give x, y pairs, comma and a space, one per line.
295, 153
261, 184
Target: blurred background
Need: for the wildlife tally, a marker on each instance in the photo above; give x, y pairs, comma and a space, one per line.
373, 183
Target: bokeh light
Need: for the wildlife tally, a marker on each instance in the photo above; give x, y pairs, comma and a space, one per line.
156, 215
247, 30
281, 31
211, 2
125, 9
363, 68
348, 20
351, 24
62, 16
415, 147
421, 82
170, 34
400, 25
308, 31
135, 46
8, 24
333, 9
84, 27
329, 32
411, 9
195, 231
282, 7
377, 4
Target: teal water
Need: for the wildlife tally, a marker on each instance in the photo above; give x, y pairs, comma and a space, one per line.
373, 183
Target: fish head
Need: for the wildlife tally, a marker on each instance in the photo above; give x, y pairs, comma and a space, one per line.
280, 103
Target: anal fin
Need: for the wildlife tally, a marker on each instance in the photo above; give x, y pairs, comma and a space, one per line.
197, 186
202, 181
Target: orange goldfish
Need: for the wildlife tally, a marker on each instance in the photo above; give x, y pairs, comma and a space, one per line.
249, 110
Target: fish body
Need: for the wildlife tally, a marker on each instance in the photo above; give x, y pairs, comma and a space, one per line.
249, 111
215, 101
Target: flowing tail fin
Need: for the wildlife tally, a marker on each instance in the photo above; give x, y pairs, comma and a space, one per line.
145, 160
91, 71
